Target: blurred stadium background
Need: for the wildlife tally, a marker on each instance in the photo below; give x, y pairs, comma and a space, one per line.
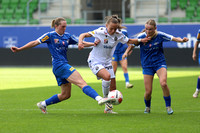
24, 20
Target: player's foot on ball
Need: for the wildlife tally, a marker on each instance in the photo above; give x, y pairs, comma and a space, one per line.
105, 100
42, 108
169, 111
147, 110
196, 93
110, 112
129, 86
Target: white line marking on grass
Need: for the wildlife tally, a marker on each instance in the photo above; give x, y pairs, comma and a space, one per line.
129, 110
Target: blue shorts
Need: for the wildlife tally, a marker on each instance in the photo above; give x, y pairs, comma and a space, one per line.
62, 73
152, 70
117, 57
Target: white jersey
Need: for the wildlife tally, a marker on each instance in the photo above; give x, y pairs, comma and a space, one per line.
103, 52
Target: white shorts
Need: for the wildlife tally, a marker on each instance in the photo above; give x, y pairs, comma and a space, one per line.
95, 67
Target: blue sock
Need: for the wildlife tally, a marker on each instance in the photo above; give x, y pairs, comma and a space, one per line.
52, 100
90, 92
147, 102
167, 101
126, 77
198, 83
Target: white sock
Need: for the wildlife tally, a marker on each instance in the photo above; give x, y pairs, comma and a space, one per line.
127, 83
43, 103
97, 98
197, 89
105, 87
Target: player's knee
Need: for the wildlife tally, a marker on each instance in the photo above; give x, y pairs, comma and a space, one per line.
163, 84
107, 77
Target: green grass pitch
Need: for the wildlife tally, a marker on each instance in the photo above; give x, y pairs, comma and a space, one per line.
21, 88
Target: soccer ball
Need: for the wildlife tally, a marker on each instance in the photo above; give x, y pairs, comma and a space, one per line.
117, 95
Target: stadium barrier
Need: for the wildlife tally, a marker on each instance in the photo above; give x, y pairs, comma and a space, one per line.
177, 54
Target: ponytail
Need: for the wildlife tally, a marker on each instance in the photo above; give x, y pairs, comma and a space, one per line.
116, 20
56, 22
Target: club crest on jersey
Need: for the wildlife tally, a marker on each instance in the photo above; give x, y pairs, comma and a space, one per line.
105, 41
115, 38
56, 41
96, 67
150, 45
63, 42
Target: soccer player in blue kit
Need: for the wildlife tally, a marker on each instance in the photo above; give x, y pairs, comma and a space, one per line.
194, 57
57, 42
117, 57
153, 61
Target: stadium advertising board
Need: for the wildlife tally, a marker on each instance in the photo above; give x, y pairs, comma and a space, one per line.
18, 35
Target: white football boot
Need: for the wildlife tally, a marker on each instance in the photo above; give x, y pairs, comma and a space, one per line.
196, 93
42, 108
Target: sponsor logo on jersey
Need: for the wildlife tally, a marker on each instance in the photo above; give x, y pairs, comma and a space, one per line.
63, 42
96, 67
45, 38
56, 41
105, 41
115, 38
150, 45
198, 36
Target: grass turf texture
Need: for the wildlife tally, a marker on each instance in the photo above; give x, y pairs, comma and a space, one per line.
22, 88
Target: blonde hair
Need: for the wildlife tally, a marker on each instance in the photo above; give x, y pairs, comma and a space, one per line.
151, 22
56, 22
114, 19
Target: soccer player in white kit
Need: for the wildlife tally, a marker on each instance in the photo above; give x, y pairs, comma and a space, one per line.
100, 58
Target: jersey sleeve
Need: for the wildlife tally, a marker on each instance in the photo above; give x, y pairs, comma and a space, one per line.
73, 40
166, 37
44, 38
198, 35
124, 39
95, 33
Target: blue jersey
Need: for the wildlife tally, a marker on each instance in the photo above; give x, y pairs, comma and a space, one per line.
121, 48
58, 45
151, 53
198, 35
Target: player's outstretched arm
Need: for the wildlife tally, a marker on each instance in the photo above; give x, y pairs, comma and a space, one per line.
194, 55
178, 39
81, 38
28, 45
137, 41
126, 53
88, 44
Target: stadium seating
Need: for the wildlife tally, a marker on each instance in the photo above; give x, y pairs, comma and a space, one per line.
162, 19
129, 20
194, 3
190, 11
15, 11
174, 4
69, 21
180, 20
183, 4
79, 21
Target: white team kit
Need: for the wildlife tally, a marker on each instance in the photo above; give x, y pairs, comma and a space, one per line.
101, 55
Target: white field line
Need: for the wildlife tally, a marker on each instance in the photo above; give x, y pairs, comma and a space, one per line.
91, 110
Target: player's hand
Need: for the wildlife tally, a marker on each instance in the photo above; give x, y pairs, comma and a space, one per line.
97, 42
14, 49
124, 56
185, 39
80, 45
146, 39
194, 57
